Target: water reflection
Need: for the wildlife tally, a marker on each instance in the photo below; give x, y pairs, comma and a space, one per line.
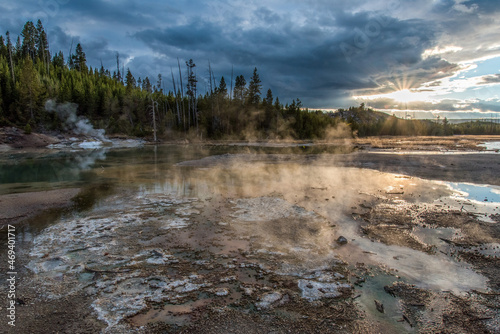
57, 170
22, 172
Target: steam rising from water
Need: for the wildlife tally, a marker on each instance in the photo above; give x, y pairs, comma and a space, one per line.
72, 122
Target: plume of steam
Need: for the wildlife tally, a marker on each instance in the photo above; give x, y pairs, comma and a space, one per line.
72, 122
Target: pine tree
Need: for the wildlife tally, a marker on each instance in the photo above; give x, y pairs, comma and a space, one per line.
158, 83
269, 97
3, 48
223, 88
30, 37
277, 105
18, 50
254, 89
191, 79
118, 75
130, 80
270, 113
79, 59
58, 60
11, 62
42, 44
239, 88
29, 88
146, 85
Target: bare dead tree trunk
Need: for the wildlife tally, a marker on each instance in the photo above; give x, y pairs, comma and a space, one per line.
195, 109
182, 94
217, 104
118, 75
231, 91
211, 94
153, 102
176, 100
189, 97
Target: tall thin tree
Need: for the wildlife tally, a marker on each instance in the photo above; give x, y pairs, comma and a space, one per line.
9, 47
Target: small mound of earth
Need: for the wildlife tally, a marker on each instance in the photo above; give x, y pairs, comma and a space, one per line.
11, 137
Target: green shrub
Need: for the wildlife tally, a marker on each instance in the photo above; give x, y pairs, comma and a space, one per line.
27, 129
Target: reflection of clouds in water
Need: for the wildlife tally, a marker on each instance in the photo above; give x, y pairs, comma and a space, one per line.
430, 271
475, 192
495, 191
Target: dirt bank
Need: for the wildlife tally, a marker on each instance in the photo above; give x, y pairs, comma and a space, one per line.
14, 138
17, 207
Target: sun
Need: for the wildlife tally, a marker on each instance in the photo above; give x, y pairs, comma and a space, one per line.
405, 96
402, 96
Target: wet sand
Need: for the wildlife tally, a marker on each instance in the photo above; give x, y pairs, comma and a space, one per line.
21, 206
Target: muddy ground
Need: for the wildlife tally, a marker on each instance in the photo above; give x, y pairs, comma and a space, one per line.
275, 244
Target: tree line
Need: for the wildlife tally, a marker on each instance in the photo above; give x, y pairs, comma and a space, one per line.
123, 104
365, 122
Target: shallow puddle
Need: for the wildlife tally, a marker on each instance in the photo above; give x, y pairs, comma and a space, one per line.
491, 146
169, 313
387, 318
482, 200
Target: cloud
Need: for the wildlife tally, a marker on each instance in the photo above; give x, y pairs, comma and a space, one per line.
308, 58
323, 51
490, 79
446, 104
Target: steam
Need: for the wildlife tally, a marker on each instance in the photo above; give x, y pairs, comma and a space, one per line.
72, 122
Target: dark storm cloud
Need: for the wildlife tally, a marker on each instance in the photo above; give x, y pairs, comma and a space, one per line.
96, 50
489, 79
60, 40
483, 6
307, 58
193, 36
127, 13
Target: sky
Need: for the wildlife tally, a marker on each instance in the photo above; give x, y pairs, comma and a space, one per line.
431, 57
